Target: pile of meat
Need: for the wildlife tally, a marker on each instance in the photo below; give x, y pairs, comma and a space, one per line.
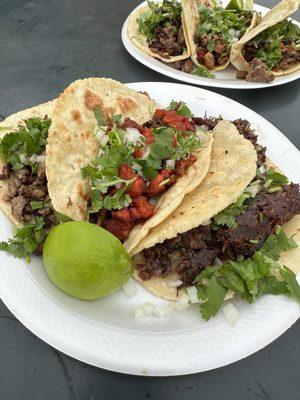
23, 186
168, 41
211, 59
190, 252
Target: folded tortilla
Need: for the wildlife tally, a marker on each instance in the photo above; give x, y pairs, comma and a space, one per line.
191, 22
9, 124
278, 13
72, 146
140, 41
228, 176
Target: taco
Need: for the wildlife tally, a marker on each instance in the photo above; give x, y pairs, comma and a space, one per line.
157, 30
272, 48
212, 30
117, 160
23, 184
226, 235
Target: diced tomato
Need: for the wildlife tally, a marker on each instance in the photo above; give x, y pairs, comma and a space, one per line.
147, 132
120, 229
141, 208
129, 123
182, 165
155, 187
137, 187
125, 172
138, 153
174, 120
122, 215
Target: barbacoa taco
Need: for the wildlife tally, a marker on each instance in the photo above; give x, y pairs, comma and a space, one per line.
23, 184
116, 159
226, 236
272, 48
212, 30
157, 30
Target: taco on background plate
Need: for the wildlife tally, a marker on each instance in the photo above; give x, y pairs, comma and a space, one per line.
118, 160
158, 31
226, 236
212, 30
272, 48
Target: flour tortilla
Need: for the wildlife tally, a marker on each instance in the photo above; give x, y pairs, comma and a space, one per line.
191, 21
11, 123
228, 176
140, 41
72, 145
279, 13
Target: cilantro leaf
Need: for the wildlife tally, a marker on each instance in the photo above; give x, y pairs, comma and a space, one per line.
200, 70
36, 205
99, 116
181, 108
290, 278
227, 216
275, 178
26, 239
215, 297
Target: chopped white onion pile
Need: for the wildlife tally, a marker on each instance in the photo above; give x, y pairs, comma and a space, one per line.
130, 288
183, 303
262, 169
193, 294
170, 164
231, 313
132, 135
143, 310
163, 310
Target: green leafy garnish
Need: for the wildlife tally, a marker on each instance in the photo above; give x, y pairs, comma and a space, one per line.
26, 239
267, 45
250, 278
29, 139
181, 108
158, 15
200, 70
99, 116
36, 205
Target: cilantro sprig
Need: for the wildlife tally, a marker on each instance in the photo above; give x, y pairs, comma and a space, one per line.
249, 278
26, 239
158, 15
29, 139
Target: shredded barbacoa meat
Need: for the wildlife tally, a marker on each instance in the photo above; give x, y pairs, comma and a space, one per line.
23, 187
198, 248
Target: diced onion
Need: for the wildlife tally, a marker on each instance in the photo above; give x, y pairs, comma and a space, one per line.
143, 310
253, 190
207, 222
104, 140
35, 158
118, 185
129, 288
193, 294
174, 283
217, 261
146, 152
100, 134
132, 135
22, 158
262, 169
231, 313
183, 303
170, 164
136, 166
163, 310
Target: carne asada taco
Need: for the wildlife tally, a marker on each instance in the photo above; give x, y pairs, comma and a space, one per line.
227, 232
23, 184
212, 30
117, 160
157, 30
271, 48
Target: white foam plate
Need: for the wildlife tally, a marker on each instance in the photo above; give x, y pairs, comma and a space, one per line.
224, 79
104, 333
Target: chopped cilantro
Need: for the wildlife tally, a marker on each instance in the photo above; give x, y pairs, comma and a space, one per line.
36, 205
99, 116
28, 140
277, 179
181, 108
250, 278
26, 239
158, 15
200, 70
227, 216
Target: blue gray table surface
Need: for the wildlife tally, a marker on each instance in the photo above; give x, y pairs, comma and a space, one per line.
45, 45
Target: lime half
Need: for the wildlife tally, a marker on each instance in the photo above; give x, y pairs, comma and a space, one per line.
85, 261
240, 5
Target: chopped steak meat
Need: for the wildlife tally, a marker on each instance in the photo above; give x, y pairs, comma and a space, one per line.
198, 248
259, 72
168, 41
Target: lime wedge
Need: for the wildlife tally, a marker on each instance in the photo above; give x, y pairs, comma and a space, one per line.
236, 5
248, 5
